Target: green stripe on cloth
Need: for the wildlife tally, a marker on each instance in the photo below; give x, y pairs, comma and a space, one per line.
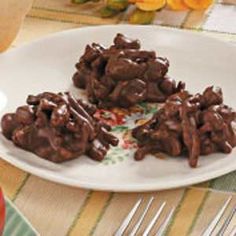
199, 211
225, 183
11, 179
16, 224
21, 186
91, 213
187, 212
176, 212
77, 217
102, 213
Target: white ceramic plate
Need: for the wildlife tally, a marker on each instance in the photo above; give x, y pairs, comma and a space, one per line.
48, 65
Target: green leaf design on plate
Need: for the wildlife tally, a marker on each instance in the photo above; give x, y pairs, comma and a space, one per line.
120, 128
148, 108
115, 155
123, 132
153, 110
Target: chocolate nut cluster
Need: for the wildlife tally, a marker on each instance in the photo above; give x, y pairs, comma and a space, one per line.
57, 127
123, 74
189, 124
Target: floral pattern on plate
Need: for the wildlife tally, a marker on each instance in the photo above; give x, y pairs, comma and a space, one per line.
122, 122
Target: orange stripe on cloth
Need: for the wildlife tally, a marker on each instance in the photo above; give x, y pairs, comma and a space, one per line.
70, 17
187, 212
91, 213
11, 179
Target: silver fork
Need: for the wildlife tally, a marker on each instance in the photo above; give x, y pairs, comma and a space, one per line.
131, 214
227, 222
233, 232
208, 231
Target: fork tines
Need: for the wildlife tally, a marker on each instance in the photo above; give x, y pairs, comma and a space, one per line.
131, 214
164, 225
227, 222
208, 231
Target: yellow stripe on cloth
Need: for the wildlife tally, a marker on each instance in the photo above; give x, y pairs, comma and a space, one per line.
70, 17
122, 203
90, 214
187, 212
11, 179
202, 185
195, 19
50, 207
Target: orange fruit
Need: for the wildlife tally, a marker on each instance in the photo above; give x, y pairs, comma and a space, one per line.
198, 4
177, 5
150, 5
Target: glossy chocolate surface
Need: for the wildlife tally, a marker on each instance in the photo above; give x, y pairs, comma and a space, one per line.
57, 127
189, 125
123, 74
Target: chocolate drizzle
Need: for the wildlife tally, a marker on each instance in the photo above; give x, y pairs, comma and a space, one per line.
57, 127
189, 125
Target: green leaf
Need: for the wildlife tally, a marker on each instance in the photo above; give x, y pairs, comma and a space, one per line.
152, 110
120, 128
142, 17
79, 1
147, 108
118, 5
106, 12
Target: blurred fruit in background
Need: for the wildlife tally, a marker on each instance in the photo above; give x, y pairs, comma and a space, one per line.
142, 17
198, 4
113, 7
144, 11
177, 5
150, 5
118, 5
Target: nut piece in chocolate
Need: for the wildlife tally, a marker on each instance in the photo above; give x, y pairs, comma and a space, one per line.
189, 125
57, 127
124, 74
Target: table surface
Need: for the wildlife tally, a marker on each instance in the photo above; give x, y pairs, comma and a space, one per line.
54, 209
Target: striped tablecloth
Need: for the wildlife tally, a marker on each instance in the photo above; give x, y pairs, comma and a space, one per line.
54, 209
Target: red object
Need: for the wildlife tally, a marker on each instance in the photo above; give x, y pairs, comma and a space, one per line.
109, 118
2, 212
129, 144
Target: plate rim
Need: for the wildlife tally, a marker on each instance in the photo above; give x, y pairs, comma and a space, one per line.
118, 188
113, 187
155, 27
